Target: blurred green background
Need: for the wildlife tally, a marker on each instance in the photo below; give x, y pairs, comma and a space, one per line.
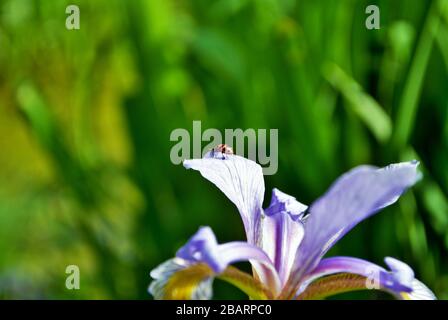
86, 115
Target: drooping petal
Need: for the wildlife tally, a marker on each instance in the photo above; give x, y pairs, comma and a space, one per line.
402, 272
342, 274
282, 231
352, 198
419, 292
242, 182
177, 279
378, 277
190, 274
203, 247
405, 275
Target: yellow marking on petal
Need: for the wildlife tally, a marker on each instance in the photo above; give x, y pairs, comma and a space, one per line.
183, 283
405, 296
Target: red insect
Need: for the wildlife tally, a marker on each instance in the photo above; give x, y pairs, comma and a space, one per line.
223, 149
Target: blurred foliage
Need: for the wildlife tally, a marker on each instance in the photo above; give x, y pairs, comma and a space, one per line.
85, 119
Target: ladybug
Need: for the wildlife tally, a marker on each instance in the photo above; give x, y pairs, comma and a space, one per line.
223, 149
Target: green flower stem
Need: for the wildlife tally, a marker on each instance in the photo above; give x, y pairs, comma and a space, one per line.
409, 101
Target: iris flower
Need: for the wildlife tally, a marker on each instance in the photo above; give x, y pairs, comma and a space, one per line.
286, 242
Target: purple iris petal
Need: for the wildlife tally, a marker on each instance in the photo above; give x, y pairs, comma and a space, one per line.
282, 202
282, 231
396, 281
242, 182
352, 198
419, 292
203, 248
164, 272
403, 273
285, 249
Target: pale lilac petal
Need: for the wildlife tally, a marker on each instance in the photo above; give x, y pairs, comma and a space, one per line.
404, 273
377, 277
352, 198
203, 248
419, 292
163, 273
282, 231
241, 180
262, 264
399, 281
282, 202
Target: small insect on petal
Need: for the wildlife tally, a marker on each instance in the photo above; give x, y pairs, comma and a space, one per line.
221, 150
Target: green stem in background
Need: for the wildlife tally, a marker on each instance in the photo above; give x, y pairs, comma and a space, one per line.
44, 127
442, 37
360, 102
409, 101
